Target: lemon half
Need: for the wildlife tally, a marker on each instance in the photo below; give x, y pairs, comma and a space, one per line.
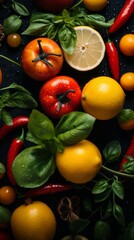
89, 50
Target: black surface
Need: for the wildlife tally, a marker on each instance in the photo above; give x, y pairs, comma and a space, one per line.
103, 132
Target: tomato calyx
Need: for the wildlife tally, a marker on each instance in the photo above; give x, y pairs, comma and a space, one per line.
42, 56
62, 98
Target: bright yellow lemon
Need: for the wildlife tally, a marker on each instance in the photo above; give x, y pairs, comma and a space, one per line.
79, 163
103, 98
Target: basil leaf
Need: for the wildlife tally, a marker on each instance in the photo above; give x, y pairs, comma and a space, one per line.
78, 225
33, 167
4, 98
20, 8
129, 234
119, 214
34, 29
102, 230
118, 189
112, 151
100, 186
6, 117
16, 87
128, 167
74, 127
40, 126
11, 24
67, 38
103, 195
40, 16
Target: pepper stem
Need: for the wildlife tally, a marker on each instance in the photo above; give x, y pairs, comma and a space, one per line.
43, 55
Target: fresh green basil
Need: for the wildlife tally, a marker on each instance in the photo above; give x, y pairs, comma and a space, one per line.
6, 117
119, 214
11, 24
102, 230
67, 38
118, 189
33, 167
20, 8
74, 127
112, 151
100, 186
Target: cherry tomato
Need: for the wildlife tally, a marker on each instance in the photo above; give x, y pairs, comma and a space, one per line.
126, 44
60, 95
14, 40
42, 59
7, 195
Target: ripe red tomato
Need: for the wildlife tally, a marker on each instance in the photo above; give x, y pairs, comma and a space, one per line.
60, 95
42, 59
55, 6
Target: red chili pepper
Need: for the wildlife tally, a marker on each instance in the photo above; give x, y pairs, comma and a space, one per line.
47, 189
17, 122
123, 16
14, 149
129, 152
113, 59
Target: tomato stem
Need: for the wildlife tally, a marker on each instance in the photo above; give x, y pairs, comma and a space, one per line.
43, 55
63, 98
10, 60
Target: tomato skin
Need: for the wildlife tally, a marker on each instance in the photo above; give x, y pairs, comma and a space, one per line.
55, 88
55, 6
39, 70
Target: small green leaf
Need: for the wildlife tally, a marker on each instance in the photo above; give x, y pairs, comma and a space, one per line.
119, 214
78, 225
74, 127
5, 215
125, 115
35, 29
112, 151
100, 186
2, 168
11, 24
33, 167
128, 167
102, 196
129, 235
20, 8
102, 230
118, 189
6, 117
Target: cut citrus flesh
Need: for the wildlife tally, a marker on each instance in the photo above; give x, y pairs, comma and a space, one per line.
89, 50
77, 237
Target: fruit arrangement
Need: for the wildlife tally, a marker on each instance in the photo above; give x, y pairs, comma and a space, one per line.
66, 119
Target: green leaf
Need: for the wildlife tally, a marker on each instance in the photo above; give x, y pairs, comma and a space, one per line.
20, 8
102, 230
129, 235
35, 29
74, 127
118, 189
119, 214
67, 38
5, 215
5, 96
11, 24
107, 210
112, 151
78, 225
103, 195
100, 186
15, 86
21, 100
33, 167
125, 115
6, 117
40, 126
128, 167
41, 16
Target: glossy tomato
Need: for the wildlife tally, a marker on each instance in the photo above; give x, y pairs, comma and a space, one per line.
42, 59
59, 96
55, 6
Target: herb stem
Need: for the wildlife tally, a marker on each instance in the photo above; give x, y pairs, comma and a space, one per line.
121, 174
10, 60
76, 5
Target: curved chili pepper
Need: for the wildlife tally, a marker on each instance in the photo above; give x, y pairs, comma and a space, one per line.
113, 59
17, 122
14, 149
129, 153
123, 16
47, 189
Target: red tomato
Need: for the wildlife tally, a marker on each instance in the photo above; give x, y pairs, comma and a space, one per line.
5, 236
42, 59
55, 6
59, 96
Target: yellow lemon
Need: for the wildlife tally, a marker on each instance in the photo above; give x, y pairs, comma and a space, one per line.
79, 163
103, 98
95, 5
89, 50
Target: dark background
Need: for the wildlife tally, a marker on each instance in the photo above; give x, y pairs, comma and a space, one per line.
103, 131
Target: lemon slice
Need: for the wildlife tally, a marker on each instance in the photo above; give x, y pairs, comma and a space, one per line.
77, 237
89, 50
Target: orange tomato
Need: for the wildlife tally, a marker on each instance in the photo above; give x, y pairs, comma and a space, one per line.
126, 44
127, 81
7, 195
